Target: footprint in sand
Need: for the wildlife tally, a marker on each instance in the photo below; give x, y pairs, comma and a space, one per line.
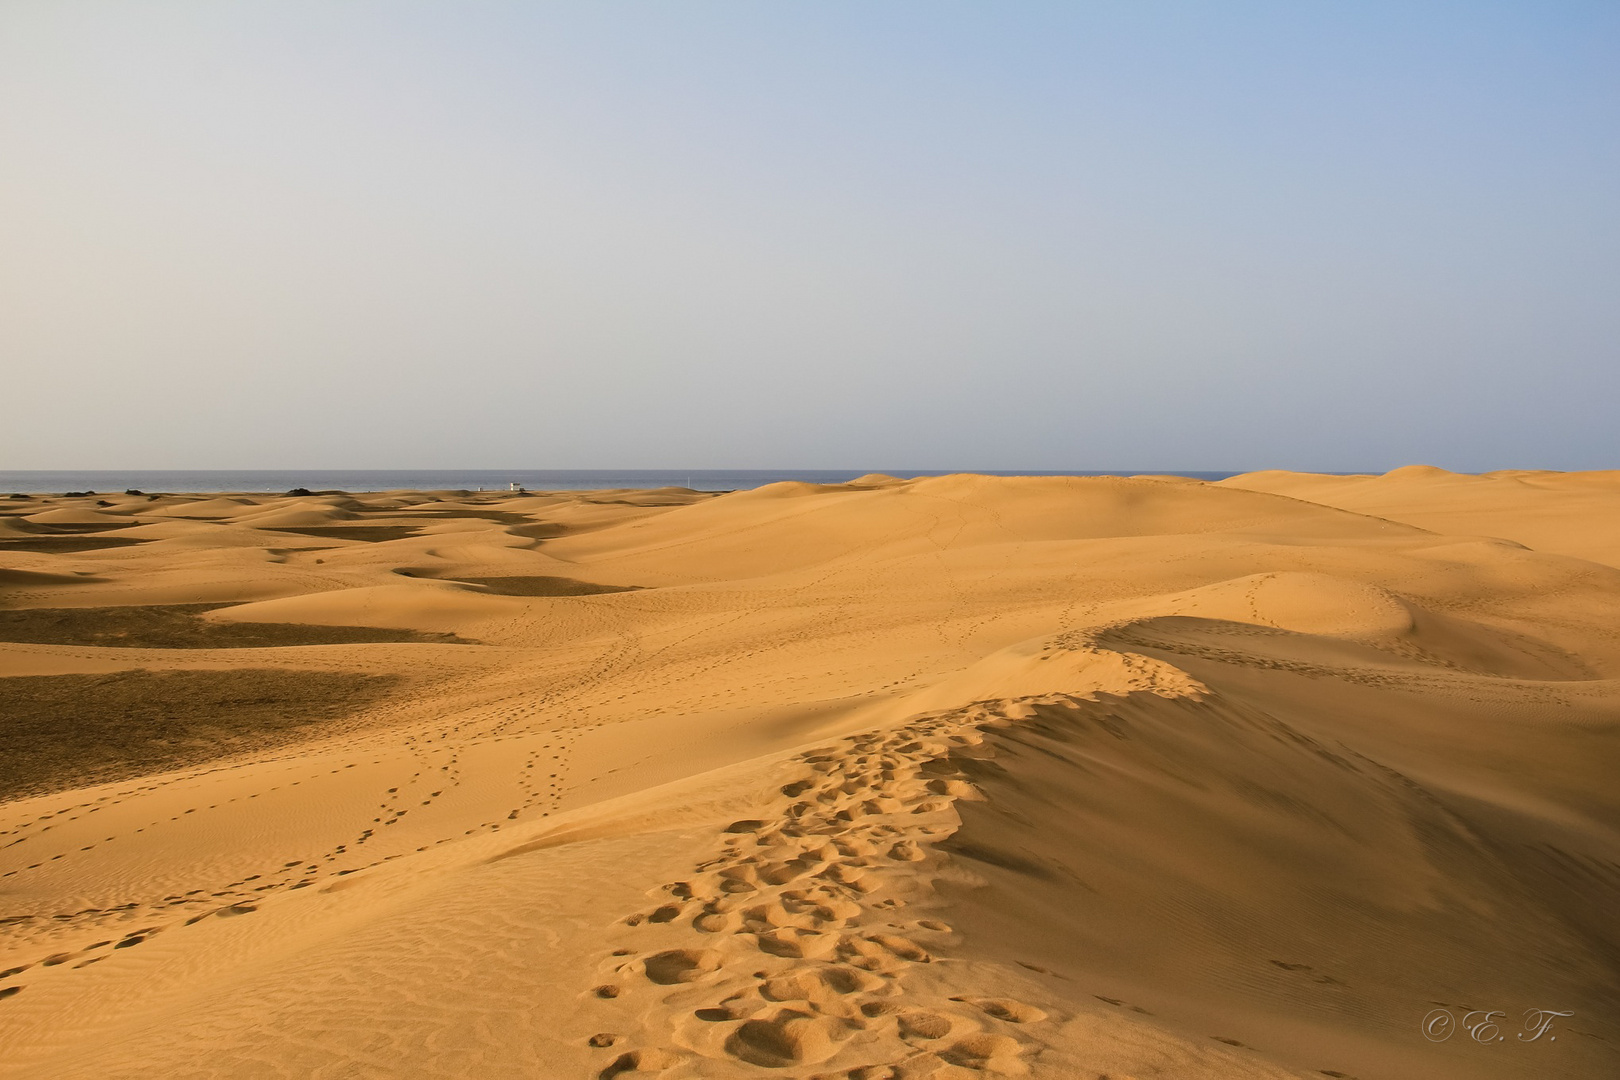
793, 942
902, 947
664, 914
992, 1053
680, 965
648, 1060
1014, 1012
923, 1024
818, 984
715, 918
788, 1037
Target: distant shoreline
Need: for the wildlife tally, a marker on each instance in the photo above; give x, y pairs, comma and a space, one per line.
195, 481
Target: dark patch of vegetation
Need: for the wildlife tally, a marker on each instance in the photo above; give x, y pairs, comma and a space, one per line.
537, 585
300, 491
41, 579
19, 495
133, 491
540, 530
61, 539
179, 626
65, 545
370, 533
65, 731
77, 494
61, 528
504, 517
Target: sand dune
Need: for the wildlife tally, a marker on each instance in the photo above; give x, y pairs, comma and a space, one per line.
75, 516
947, 777
17, 580
222, 507
1569, 513
300, 513
423, 604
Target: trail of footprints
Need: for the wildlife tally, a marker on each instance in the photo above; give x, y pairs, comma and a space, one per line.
438, 772
791, 947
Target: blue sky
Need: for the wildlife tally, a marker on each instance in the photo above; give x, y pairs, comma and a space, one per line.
1141, 235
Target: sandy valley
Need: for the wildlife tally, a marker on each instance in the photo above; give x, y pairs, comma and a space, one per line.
1282, 776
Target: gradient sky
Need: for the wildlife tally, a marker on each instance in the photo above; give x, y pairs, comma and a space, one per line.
1127, 235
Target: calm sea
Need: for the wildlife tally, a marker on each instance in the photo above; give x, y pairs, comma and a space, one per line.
276, 480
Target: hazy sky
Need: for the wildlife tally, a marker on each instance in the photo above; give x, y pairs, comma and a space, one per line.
764, 233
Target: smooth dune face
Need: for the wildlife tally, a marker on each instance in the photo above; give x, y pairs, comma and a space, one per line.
941, 778
1574, 514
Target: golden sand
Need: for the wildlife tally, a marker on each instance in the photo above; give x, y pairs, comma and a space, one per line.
951, 777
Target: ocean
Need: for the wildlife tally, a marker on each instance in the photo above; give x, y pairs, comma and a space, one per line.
103, 481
